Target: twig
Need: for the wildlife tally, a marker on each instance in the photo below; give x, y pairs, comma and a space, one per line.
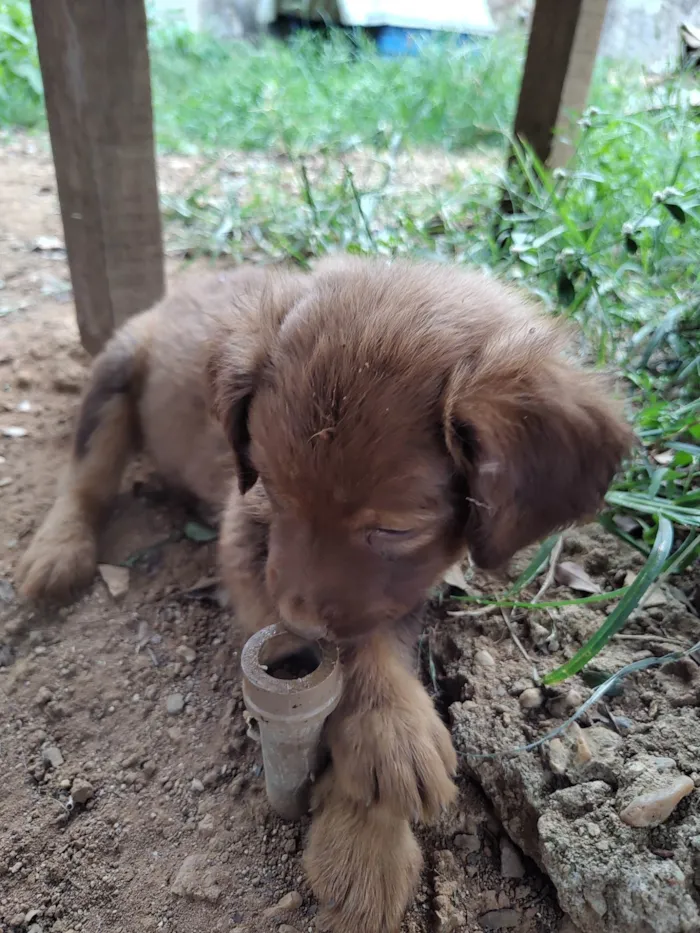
518, 644
660, 639
472, 613
551, 570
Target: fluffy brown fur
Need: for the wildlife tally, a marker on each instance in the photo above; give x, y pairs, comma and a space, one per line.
381, 421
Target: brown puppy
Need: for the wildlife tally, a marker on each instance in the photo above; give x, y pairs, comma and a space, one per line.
381, 420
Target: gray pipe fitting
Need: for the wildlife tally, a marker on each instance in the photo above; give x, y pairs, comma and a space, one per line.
290, 687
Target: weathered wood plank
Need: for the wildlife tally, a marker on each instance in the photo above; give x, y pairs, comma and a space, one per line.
95, 67
561, 55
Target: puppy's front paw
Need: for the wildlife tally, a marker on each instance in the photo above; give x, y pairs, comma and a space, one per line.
398, 754
61, 558
363, 862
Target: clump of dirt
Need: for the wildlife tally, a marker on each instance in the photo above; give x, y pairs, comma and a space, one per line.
609, 809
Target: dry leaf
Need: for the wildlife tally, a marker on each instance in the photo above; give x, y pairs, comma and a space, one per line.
626, 523
665, 457
116, 579
454, 576
575, 577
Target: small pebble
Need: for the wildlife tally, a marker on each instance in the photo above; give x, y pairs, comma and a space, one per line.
116, 579
291, 901
186, 653
511, 862
81, 790
43, 696
531, 698
285, 928
654, 808
51, 755
484, 659
175, 703
467, 842
197, 786
206, 825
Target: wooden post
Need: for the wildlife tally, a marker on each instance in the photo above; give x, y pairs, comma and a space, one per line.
560, 58
95, 68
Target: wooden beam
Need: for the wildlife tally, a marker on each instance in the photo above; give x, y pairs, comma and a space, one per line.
561, 56
95, 68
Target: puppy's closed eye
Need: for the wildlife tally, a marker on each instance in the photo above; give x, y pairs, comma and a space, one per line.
394, 542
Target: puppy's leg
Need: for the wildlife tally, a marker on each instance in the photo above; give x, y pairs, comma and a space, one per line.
363, 862
242, 558
387, 741
63, 554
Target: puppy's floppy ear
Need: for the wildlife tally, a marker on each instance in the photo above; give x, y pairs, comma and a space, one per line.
240, 351
536, 440
231, 380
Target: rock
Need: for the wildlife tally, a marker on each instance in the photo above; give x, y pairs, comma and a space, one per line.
519, 687
51, 756
43, 696
448, 917
655, 806
563, 706
538, 633
31, 916
186, 653
511, 862
291, 901
285, 928
197, 786
467, 842
484, 659
558, 756
579, 799
116, 580
196, 879
35, 928
531, 698
584, 755
612, 882
13, 431
504, 919
206, 825
81, 790
175, 703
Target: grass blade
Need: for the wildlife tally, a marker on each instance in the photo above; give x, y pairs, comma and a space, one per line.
535, 566
629, 602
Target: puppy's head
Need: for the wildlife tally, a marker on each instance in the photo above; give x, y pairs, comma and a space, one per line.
398, 416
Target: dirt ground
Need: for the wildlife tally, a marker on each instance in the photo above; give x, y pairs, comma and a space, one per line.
133, 705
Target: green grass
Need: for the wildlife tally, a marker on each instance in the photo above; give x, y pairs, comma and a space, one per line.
612, 243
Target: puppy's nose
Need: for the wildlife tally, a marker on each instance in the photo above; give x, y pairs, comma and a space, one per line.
305, 630
296, 617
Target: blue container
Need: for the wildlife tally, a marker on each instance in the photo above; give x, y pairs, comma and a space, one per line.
395, 40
